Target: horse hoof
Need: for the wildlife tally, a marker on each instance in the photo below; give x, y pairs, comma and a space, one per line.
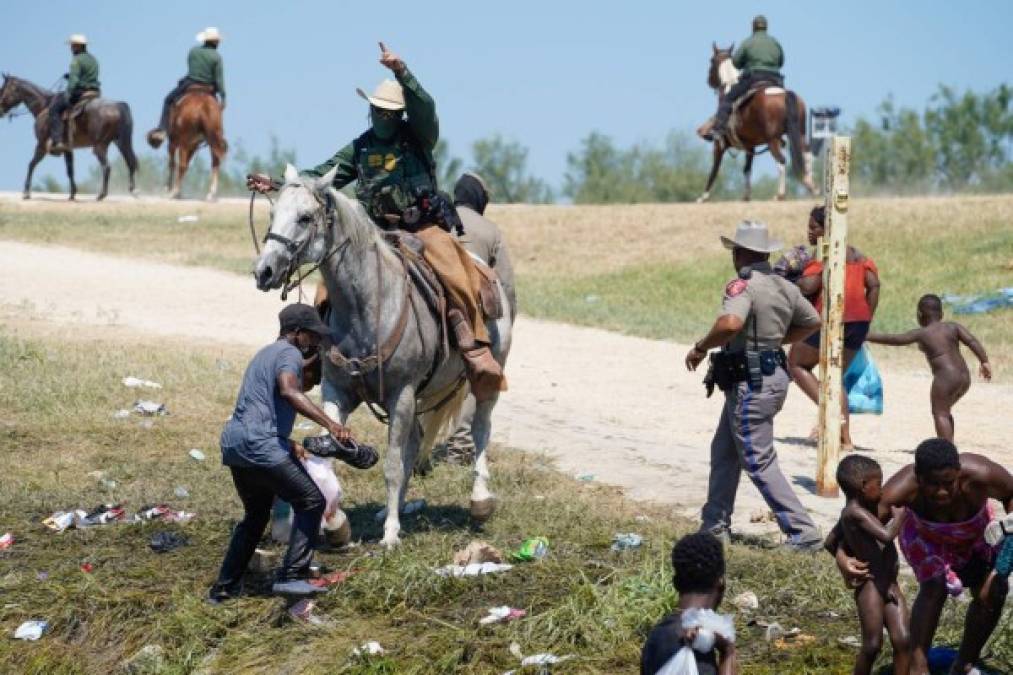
26, 195
100, 198
390, 543
482, 509
778, 198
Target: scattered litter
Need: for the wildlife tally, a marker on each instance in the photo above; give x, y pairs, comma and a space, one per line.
163, 542
473, 570
585, 477
181, 492
197, 455
478, 552
87, 567
643, 519
414, 506
107, 484
830, 614
531, 549
980, 304
148, 659
591, 298
61, 520
746, 601
536, 659
540, 498
626, 541
100, 515
149, 408
41, 576
190, 218
850, 641
332, 579
163, 513
6, 541
31, 630
136, 383
502, 614
773, 632
371, 648
121, 414
762, 517
302, 611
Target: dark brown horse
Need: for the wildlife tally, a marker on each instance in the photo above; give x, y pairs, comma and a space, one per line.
764, 120
195, 118
102, 122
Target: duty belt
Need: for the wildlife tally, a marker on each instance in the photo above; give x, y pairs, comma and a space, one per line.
729, 368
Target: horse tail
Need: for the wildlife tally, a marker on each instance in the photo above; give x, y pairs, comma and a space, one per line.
796, 140
440, 422
124, 140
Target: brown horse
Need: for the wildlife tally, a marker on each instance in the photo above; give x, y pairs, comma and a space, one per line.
102, 122
195, 118
763, 120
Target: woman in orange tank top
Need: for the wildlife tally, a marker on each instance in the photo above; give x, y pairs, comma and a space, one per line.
861, 295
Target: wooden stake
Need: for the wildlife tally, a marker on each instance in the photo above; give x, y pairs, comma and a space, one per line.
833, 250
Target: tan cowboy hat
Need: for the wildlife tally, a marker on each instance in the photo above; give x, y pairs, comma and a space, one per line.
388, 95
209, 34
752, 235
77, 39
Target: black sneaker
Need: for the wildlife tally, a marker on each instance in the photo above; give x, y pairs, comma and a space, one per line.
359, 456
219, 594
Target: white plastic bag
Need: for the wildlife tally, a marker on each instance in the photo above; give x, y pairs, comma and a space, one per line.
708, 624
321, 470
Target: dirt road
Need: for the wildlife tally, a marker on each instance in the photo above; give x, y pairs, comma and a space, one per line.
621, 408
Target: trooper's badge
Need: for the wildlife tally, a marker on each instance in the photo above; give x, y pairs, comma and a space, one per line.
735, 287
389, 162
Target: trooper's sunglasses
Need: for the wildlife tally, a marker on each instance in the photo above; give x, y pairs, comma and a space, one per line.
386, 114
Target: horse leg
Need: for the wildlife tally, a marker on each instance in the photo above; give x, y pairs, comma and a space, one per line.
807, 180
185, 155
483, 502
40, 152
126, 148
397, 466
747, 171
68, 157
217, 150
719, 151
102, 154
782, 172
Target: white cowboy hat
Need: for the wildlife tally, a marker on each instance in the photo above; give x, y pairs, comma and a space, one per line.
388, 95
752, 235
209, 34
77, 39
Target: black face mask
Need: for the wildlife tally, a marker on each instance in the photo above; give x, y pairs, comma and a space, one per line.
385, 126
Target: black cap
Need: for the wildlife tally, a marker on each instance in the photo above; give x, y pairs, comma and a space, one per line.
300, 316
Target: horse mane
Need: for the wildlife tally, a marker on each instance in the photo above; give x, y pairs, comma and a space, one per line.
31, 86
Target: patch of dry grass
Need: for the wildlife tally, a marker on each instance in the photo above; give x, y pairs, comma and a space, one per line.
59, 390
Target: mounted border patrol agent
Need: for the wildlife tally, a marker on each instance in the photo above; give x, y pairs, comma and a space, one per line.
395, 179
760, 58
81, 78
760, 312
204, 66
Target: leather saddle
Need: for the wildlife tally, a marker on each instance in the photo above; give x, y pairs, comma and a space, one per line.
768, 88
87, 96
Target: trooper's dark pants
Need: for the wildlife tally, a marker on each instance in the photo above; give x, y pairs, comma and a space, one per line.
60, 104
745, 83
171, 98
257, 487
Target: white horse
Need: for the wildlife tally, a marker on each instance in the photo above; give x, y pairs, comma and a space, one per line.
377, 310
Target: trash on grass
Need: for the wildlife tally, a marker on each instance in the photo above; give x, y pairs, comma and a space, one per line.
532, 549
302, 611
773, 632
31, 630
371, 648
61, 520
850, 641
189, 218
502, 614
472, 570
980, 304
121, 414
746, 601
100, 515
536, 659
478, 552
6, 541
414, 506
181, 492
136, 383
163, 542
197, 455
163, 513
87, 567
626, 541
332, 579
149, 408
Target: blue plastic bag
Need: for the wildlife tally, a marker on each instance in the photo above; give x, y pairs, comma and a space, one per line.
864, 385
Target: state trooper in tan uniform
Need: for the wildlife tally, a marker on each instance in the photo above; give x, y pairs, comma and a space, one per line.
760, 312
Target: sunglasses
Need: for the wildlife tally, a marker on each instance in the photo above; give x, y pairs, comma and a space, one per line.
386, 114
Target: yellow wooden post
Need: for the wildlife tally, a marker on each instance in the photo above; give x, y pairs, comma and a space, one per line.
833, 249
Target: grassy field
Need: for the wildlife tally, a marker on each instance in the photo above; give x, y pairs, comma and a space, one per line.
59, 391
649, 270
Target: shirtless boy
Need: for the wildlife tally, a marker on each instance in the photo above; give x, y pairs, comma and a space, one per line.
940, 341
879, 599
946, 495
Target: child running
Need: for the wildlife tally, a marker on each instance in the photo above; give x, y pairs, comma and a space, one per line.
940, 341
879, 597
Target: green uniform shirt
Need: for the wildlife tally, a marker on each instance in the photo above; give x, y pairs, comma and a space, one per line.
759, 52
83, 73
388, 172
204, 65
767, 303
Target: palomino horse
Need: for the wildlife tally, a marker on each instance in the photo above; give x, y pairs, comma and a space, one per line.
763, 120
102, 122
195, 118
377, 310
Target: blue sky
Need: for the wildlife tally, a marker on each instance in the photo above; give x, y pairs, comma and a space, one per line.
544, 73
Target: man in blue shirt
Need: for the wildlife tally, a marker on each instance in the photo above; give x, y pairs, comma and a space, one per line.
263, 461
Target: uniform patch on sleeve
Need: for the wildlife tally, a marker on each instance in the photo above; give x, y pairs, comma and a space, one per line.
735, 287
